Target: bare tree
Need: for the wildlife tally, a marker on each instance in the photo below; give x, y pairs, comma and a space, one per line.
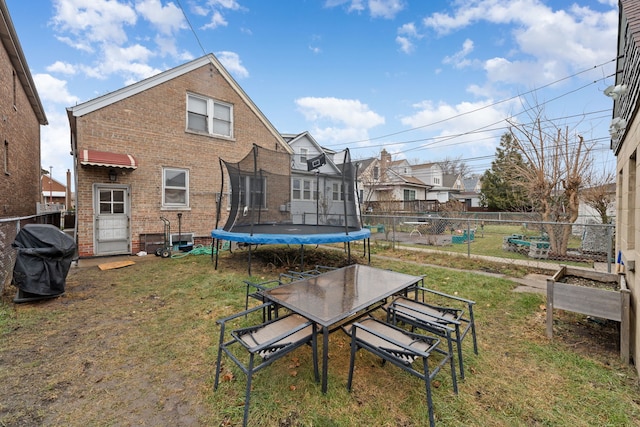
600, 194
558, 162
454, 166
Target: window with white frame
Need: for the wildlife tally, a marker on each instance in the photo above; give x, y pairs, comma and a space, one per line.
337, 192
175, 188
253, 193
376, 173
306, 189
303, 189
209, 116
436, 180
304, 154
296, 191
409, 195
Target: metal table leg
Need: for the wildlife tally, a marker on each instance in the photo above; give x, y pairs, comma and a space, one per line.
325, 357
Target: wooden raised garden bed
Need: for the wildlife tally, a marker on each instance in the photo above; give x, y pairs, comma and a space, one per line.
603, 295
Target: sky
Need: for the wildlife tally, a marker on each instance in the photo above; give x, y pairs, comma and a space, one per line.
427, 80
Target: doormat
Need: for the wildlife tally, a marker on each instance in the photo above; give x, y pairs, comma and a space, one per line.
115, 264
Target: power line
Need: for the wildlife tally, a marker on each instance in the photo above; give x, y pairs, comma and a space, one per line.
437, 139
494, 104
191, 26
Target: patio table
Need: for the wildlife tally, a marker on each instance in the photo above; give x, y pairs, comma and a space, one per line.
416, 226
339, 296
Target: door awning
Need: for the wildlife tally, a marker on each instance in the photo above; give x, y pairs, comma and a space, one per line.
102, 158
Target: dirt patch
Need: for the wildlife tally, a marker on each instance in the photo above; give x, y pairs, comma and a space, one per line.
583, 281
83, 358
588, 335
107, 351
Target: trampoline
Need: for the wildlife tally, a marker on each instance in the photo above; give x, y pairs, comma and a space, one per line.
266, 204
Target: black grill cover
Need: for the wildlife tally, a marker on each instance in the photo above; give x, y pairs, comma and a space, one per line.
44, 256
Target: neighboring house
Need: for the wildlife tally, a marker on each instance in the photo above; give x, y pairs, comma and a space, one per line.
415, 188
453, 185
429, 173
625, 143
432, 175
384, 181
316, 192
453, 182
152, 150
21, 115
470, 195
53, 192
368, 180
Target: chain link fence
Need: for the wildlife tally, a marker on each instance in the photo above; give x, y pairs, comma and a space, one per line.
9, 228
502, 235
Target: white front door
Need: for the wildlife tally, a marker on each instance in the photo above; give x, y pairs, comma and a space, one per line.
111, 207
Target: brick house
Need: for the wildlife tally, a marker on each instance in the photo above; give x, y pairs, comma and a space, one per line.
21, 115
152, 150
625, 143
53, 192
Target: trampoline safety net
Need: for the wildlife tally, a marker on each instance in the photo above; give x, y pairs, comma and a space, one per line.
261, 192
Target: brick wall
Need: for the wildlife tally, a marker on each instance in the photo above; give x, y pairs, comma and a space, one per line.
151, 127
20, 129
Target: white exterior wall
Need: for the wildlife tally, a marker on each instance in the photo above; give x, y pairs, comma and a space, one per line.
627, 220
427, 175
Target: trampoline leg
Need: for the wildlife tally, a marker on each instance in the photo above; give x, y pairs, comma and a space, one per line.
249, 260
301, 257
216, 244
349, 252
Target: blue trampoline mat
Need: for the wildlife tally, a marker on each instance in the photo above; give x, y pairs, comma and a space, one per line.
290, 234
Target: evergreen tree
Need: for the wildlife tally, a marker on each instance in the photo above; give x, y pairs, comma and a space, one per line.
502, 185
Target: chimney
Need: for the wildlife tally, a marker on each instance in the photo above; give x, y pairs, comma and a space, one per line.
385, 159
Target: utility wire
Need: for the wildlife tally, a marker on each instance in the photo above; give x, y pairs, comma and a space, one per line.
494, 104
437, 139
204, 52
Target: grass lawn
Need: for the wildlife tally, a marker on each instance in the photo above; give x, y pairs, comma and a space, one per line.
137, 346
488, 242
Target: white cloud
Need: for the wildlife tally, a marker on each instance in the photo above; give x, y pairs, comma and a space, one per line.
128, 62
100, 21
199, 10
232, 63
62, 68
459, 59
549, 43
217, 20
217, 8
225, 4
386, 9
338, 120
409, 29
406, 45
353, 5
168, 19
84, 47
463, 123
407, 33
53, 90
55, 144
